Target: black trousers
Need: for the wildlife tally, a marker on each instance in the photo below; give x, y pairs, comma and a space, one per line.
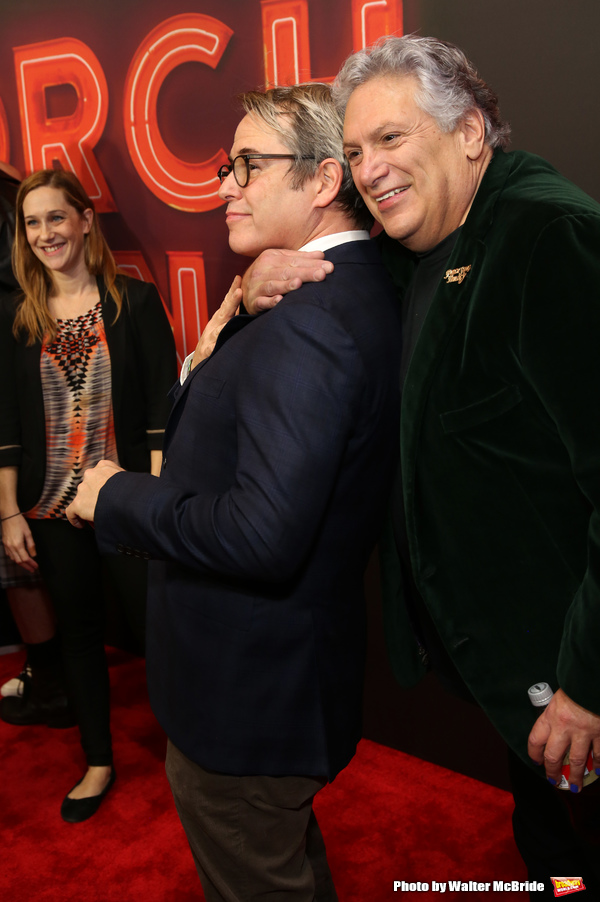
73, 571
253, 838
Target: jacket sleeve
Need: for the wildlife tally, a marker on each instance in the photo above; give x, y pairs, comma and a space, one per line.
154, 350
560, 344
295, 405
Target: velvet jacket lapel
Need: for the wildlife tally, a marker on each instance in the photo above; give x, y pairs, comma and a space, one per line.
448, 306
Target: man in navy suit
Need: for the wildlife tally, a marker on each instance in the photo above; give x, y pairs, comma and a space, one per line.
278, 457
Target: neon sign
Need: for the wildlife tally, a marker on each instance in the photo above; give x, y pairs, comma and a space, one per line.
69, 140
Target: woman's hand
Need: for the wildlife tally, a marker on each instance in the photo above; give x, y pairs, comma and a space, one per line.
18, 542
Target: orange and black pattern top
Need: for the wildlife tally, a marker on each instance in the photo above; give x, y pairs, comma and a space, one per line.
76, 384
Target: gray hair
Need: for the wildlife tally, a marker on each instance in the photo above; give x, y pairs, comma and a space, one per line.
306, 119
449, 85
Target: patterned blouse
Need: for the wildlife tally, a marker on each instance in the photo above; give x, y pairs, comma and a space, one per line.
76, 384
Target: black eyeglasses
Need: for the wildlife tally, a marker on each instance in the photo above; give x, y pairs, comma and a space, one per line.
241, 165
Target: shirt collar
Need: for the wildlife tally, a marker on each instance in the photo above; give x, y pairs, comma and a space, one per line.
327, 241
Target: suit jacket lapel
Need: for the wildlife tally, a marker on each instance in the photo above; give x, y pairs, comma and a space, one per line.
178, 393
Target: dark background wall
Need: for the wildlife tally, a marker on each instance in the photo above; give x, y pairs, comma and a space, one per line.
543, 60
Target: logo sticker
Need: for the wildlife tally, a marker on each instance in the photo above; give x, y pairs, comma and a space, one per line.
564, 886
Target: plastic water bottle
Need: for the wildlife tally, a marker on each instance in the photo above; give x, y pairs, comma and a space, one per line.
539, 696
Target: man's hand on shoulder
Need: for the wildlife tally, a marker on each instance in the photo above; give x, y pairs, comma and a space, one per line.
83, 507
277, 272
564, 726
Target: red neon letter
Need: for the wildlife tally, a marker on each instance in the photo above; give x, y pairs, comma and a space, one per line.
181, 39
187, 285
371, 19
286, 42
66, 139
286, 38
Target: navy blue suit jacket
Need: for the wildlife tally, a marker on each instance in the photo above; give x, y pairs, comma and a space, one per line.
279, 455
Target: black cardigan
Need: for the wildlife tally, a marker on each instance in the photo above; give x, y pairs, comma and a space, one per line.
143, 369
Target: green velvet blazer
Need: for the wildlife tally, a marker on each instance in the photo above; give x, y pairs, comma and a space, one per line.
500, 444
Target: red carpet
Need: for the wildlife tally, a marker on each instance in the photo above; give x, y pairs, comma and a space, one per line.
387, 817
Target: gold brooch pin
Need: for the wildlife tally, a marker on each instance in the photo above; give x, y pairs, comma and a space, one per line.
457, 275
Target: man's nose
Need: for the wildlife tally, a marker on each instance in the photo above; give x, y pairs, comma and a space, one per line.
372, 166
229, 187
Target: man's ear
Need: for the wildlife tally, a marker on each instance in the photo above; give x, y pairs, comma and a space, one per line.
472, 130
327, 182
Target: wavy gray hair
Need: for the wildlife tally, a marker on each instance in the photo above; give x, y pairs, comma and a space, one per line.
306, 119
449, 84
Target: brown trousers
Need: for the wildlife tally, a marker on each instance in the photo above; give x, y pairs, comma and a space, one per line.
253, 838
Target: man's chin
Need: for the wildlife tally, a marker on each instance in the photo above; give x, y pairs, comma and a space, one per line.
245, 248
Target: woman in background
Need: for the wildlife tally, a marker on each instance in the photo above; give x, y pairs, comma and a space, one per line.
86, 360
25, 592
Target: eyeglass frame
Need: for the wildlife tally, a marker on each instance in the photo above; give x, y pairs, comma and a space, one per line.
246, 157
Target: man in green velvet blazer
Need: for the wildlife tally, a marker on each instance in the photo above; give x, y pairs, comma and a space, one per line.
492, 561
492, 558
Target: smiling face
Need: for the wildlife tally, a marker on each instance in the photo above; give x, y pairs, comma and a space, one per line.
55, 230
268, 212
417, 181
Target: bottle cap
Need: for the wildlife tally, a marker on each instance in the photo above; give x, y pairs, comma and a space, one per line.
540, 694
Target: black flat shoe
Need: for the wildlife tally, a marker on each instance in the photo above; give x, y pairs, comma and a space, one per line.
74, 811
43, 701
21, 711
